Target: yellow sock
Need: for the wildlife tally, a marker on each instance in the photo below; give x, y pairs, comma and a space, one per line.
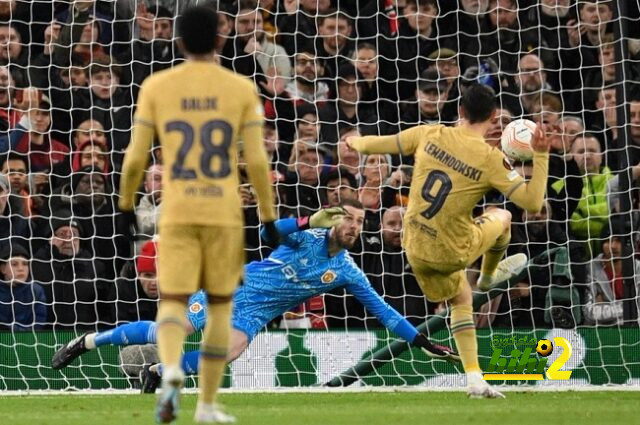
171, 333
215, 345
491, 258
464, 332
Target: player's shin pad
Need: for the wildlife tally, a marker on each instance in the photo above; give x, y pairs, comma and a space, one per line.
464, 333
171, 331
215, 345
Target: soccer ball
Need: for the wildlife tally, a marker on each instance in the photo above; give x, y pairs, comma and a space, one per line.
544, 347
516, 139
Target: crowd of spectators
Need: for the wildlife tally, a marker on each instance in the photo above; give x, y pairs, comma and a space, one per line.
70, 73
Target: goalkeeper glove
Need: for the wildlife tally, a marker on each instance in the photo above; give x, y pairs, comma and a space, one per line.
327, 218
435, 351
272, 234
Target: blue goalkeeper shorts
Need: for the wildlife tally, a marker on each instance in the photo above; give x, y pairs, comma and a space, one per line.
253, 310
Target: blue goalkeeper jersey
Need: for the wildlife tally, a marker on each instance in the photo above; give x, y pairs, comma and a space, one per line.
299, 269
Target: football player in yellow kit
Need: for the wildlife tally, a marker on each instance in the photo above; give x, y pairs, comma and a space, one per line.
454, 168
198, 111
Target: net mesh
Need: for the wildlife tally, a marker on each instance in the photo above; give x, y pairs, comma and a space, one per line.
69, 79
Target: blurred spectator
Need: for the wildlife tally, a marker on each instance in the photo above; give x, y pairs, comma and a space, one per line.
346, 110
334, 45
375, 170
91, 154
22, 300
14, 228
592, 211
507, 37
271, 57
634, 123
9, 116
565, 182
340, 184
109, 103
530, 81
89, 130
427, 107
417, 38
551, 19
87, 197
32, 137
136, 289
389, 271
14, 167
154, 49
297, 25
304, 88
68, 274
14, 54
303, 192
603, 304
585, 34
148, 210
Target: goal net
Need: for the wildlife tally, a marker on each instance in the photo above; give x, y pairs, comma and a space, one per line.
70, 75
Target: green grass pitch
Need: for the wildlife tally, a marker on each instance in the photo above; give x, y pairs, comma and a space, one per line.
584, 408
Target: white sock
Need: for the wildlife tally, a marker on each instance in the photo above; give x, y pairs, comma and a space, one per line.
474, 378
172, 376
90, 341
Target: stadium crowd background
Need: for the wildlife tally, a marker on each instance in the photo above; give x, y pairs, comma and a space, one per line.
70, 75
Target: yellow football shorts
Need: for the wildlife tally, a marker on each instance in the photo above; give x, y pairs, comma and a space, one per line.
441, 282
195, 257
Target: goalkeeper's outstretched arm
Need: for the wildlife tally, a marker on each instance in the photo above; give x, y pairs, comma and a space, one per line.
395, 322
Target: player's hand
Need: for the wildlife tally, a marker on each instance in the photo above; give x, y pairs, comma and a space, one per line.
272, 234
540, 142
349, 142
435, 351
128, 223
327, 218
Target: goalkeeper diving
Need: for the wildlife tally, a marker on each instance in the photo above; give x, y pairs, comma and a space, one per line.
311, 259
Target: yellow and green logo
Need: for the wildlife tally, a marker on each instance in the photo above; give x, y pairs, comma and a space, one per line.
524, 365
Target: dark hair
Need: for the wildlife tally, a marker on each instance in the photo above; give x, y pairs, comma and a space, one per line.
423, 3
367, 45
334, 14
160, 12
306, 48
14, 156
198, 28
478, 103
105, 64
246, 4
351, 203
339, 174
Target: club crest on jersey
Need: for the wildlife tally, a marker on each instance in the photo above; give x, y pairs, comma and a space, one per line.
195, 307
328, 276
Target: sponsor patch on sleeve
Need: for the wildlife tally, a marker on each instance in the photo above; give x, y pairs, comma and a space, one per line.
512, 175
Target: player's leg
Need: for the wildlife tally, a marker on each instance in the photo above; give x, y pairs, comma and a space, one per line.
224, 250
495, 229
135, 333
464, 333
177, 283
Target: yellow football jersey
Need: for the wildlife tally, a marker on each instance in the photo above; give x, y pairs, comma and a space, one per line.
199, 111
453, 169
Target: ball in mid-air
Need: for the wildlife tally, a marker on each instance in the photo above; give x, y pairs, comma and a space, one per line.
544, 347
516, 139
